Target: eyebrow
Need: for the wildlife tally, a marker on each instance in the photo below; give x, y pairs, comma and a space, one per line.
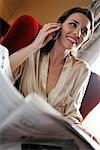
75, 21
78, 23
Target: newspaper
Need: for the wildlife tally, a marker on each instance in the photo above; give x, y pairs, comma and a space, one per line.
33, 119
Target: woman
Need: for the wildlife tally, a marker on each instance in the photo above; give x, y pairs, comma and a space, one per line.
48, 67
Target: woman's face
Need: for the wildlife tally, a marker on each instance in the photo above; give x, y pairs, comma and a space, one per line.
75, 31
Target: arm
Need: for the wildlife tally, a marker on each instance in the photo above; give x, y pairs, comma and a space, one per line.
17, 58
44, 35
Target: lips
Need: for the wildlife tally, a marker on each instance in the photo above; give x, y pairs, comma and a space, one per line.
72, 39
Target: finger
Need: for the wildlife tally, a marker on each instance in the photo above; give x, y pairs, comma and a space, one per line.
51, 25
48, 24
53, 30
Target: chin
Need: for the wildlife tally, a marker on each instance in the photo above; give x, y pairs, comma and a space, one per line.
70, 46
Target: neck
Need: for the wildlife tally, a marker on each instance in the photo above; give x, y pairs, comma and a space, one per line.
57, 53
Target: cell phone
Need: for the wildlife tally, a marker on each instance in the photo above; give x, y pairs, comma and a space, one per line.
56, 34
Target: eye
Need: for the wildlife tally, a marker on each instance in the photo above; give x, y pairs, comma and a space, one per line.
73, 24
84, 32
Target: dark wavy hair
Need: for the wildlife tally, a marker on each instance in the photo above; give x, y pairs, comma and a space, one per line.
87, 12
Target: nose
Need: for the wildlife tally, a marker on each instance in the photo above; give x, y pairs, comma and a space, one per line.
77, 32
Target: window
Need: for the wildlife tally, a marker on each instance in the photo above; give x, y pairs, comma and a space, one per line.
96, 67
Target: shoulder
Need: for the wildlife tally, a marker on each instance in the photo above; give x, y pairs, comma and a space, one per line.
84, 68
82, 63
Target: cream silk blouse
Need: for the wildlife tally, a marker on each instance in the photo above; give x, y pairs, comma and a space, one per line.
67, 95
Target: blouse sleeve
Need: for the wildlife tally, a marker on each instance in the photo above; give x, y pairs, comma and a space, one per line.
75, 98
18, 72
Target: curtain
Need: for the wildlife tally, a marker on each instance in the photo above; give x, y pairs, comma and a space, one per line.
90, 52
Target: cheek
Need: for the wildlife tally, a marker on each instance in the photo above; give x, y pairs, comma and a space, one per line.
65, 28
63, 33
81, 40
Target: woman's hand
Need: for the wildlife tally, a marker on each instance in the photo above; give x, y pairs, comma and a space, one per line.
88, 133
45, 35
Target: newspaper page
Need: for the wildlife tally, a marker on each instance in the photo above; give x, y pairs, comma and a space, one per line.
36, 121
10, 98
31, 119
27, 118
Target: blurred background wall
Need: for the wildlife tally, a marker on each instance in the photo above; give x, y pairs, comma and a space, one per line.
43, 10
